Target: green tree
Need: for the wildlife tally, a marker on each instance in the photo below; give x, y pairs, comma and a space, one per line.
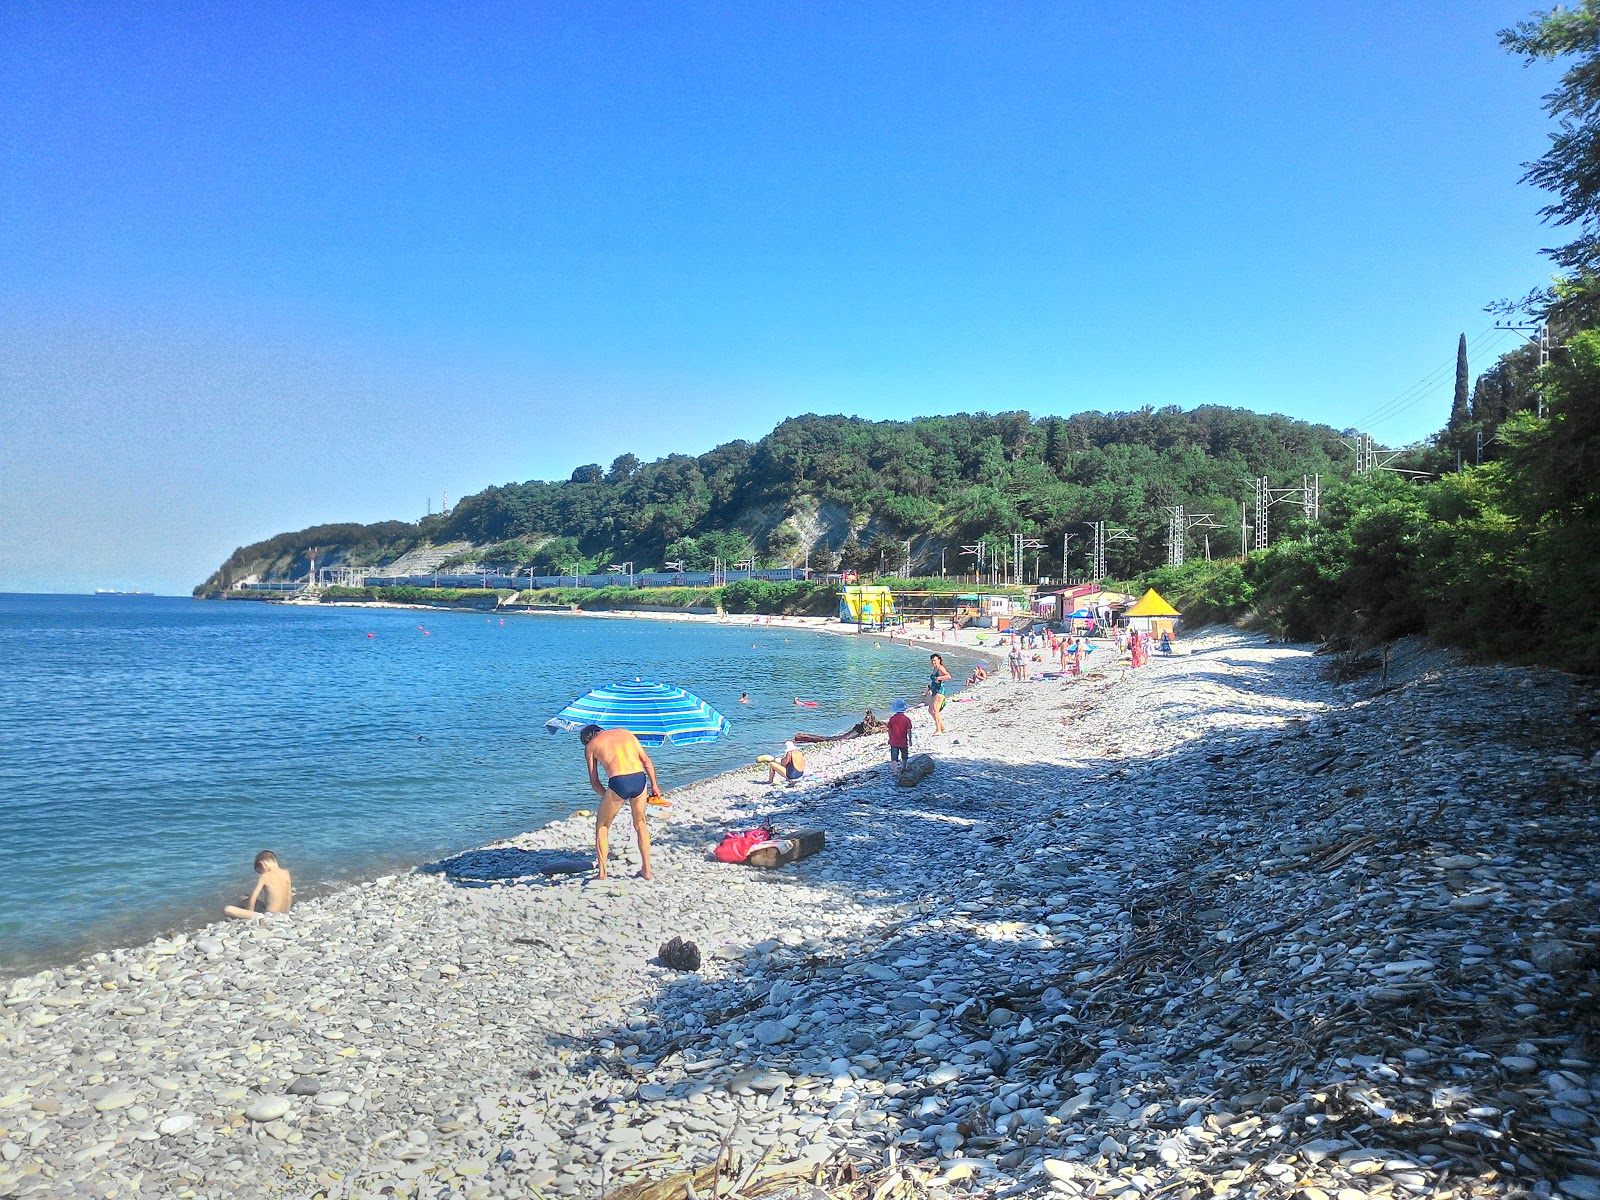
1461, 406
1571, 166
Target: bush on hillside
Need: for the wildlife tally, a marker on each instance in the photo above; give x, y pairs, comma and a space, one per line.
797, 598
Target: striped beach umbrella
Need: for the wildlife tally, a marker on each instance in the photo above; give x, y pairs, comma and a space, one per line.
658, 714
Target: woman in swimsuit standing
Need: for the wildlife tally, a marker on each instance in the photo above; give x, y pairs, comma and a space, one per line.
937, 678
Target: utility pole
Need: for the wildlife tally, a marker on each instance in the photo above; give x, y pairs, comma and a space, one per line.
1308, 495
1026, 544
975, 552
1179, 523
1372, 457
1066, 551
1538, 335
1104, 533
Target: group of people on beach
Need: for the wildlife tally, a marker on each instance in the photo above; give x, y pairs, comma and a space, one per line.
630, 776
630, 781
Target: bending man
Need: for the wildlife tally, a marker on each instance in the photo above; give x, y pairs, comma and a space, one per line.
630, 780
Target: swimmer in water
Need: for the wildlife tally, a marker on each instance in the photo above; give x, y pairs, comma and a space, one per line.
744, 697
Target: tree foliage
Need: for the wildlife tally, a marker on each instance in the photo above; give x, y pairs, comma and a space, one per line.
939, 481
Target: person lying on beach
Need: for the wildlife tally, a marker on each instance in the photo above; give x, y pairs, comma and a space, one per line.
793, 764
630, 780
274, 891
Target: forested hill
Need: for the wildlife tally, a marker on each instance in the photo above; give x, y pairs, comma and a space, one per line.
853, 492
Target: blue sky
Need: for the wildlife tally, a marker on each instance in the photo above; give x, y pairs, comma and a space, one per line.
264, 266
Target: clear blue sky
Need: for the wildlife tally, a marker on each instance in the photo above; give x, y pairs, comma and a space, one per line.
268, 265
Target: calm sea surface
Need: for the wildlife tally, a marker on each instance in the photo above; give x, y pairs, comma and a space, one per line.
150, 746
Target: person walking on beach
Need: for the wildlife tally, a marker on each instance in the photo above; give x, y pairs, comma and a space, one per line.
274, 887
899, 738
937, 678
630, 780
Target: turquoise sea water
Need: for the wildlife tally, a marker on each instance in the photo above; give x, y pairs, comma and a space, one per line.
150, 746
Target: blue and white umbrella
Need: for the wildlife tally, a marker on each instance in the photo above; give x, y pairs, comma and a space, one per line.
657, 714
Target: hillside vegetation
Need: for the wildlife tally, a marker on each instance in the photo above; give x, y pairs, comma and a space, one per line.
836, 490
1501, 558
1496, 549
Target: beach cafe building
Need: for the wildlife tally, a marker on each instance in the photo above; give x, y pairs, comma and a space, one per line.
1153, 615
1054, 604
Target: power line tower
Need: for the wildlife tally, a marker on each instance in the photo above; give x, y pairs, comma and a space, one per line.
1308, 496
1066, 550
1372, 457
1311, 497
975, 552
1105, 533
1537, 335
1179, 523
1024, 545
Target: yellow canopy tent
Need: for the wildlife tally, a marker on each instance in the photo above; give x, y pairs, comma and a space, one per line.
1152, 614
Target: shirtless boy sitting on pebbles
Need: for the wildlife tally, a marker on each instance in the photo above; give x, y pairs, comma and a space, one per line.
630, 780
274, 884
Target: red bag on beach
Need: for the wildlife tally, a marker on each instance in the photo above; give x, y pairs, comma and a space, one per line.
736, 847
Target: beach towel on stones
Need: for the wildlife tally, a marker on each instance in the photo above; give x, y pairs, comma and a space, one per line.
791, 847
917, 768
505, 864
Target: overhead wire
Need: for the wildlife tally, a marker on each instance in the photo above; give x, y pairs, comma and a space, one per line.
1433, 390
1382, 411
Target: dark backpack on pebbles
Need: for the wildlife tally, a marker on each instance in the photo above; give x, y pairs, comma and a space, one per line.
680, 955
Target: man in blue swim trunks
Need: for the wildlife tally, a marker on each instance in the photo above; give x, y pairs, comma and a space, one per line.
630, 780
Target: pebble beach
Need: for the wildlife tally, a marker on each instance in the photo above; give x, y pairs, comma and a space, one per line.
1222, 927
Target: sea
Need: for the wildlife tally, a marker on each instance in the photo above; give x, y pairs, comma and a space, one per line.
150, 746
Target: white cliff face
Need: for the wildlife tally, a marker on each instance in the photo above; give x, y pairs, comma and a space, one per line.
1217, 927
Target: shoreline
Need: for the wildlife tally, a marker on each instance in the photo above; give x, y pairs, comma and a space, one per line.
1139, 932
194, 922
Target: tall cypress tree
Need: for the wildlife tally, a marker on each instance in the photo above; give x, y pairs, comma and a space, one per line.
1461, 409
